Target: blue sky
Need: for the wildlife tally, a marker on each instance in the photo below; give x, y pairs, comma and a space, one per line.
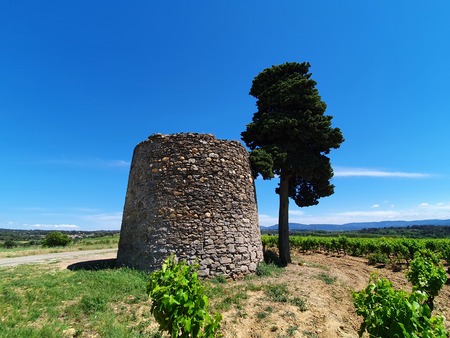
82, 82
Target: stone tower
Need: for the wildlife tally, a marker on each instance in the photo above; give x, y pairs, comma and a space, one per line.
192, 195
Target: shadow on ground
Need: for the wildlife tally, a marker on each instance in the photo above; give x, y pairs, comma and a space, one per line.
271, 257
100, 264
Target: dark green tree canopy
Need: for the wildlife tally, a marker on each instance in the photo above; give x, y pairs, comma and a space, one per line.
56, 239
289, 134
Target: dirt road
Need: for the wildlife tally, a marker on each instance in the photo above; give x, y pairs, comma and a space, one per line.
62, 258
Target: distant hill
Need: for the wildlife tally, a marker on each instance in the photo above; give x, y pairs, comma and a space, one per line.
358, 226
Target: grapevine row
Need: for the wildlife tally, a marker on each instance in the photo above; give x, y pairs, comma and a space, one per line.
395, 251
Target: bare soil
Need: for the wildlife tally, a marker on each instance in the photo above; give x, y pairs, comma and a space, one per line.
325, 282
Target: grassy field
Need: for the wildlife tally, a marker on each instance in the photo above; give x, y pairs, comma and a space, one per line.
90, 243
43, 301
311, 298
40, 301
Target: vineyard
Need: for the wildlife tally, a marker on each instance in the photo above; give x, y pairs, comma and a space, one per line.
386, 310
329, 290
397, 252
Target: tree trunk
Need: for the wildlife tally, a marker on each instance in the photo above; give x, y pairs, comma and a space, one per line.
283, 222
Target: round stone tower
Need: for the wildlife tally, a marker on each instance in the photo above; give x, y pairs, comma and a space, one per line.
192, 195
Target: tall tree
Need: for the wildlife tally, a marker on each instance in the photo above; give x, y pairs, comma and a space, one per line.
290, 136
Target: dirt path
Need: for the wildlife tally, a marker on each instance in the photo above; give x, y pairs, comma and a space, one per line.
325, 282
62, 258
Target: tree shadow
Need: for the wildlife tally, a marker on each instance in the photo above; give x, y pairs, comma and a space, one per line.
100, 264
271, 257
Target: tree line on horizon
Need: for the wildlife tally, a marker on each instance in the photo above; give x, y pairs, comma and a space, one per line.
35, 237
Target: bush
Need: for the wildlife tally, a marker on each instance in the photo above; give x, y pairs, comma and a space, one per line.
396, 313
427, 274
179, 303
446, 253
9, 244
377, 258
56, 239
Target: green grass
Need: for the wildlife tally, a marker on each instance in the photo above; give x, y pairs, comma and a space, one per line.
227, 298
326, 278
98, 241
268, 270
300, 303
291, 330
316, 265
37, 302
277, 293
42, 301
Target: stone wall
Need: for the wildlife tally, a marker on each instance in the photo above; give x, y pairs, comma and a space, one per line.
192, 195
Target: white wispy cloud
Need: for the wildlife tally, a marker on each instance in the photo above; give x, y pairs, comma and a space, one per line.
65, 218
53, 226
111, 221
267, 220
438, 207
379, 214
116, 163
366, 172
388, 212
92, 163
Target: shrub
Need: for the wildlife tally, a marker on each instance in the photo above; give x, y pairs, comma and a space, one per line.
56, 239
9, 244
377, 258
396, 313
427, 274
446, 253
343, 242
179, 302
